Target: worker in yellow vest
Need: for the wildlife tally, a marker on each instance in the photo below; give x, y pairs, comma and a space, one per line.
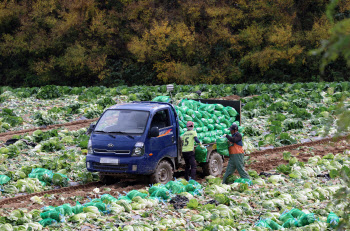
188, 139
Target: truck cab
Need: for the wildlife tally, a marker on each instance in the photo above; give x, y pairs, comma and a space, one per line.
135, 138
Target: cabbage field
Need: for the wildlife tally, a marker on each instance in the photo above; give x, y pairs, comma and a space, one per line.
273, 115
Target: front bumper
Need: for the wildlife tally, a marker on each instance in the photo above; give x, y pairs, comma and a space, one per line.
129, 165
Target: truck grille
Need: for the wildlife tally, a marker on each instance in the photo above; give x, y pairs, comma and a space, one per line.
96, 150
106, 167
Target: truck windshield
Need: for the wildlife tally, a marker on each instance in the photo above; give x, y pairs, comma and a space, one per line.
123, 122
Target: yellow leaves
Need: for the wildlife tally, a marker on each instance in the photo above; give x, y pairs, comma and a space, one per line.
155, 43
344, 5
180, 73
252, 35
268, 56
281, 35
320, 31
220, 32
217, 11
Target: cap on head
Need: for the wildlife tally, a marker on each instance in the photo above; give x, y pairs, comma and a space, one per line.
189, 124
233, 127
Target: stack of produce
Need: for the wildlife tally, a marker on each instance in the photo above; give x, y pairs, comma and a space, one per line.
211, 121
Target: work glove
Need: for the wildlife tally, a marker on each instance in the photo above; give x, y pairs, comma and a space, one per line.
201, 145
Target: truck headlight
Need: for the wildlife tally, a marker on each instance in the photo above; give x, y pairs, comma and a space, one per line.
139, 149
90, 147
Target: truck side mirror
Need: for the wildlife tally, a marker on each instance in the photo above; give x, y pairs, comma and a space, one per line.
154, 132
90, 129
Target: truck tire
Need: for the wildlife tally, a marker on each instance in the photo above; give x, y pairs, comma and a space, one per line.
163, 174
108, 179
214, 165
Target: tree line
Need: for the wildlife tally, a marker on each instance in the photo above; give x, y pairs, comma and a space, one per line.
135, 42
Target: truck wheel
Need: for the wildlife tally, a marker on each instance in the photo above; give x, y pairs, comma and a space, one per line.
214, 166
163, 174
108, 179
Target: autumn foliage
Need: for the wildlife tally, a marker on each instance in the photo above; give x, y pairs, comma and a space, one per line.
92, 42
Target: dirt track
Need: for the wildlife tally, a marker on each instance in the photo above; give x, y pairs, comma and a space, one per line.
72, 126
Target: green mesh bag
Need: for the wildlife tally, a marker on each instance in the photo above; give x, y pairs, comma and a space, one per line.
41, 174
219, 133
78, 208
211, 121
237, 122
285, 216
101, 206
198, 114
219, 107
210, 127
59, 209
190, 112
161, 98
176, 189
182, 124
210, 108
290, 223
333, 219
225, 113
201, 154
135, 193
152, 189
215, 118
205, 115
227, 123
47, 222
306, 219
204, 121
4, 179
205, 129
219, 127
232, 120
187, 104
108, 198
125, 198
49, 208
162, 193
244, 180
190, 188
206, 140
217, 113
222, 146
232, 111
213, 139
273, 224
51, 214
221, 119
188, 118
296, 213
199, 121
262, 224
199, 130
183, 109
67, 209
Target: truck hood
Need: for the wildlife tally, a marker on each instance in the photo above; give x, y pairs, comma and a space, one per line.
113, 144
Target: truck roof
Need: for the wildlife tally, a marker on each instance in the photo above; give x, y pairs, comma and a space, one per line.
142, 106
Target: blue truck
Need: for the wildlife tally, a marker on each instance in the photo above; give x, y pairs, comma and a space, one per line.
142, 139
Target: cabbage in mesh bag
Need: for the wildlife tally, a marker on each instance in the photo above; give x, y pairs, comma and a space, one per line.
222, 146
201, 154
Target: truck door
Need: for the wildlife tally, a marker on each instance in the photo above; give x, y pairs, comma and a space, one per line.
165, 143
